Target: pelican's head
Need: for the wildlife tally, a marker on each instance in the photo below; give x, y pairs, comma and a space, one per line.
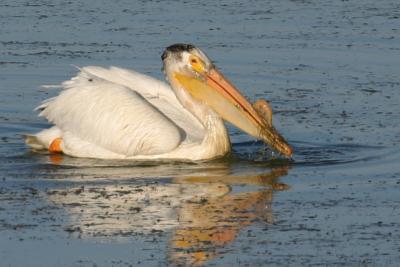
188, 67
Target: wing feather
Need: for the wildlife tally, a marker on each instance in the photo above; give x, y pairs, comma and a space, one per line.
111, 116
158, 93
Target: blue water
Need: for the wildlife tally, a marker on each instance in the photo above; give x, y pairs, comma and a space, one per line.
330, 73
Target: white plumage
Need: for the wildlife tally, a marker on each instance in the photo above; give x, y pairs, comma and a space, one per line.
117, 113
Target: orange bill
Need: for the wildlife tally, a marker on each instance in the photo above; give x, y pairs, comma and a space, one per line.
217, 92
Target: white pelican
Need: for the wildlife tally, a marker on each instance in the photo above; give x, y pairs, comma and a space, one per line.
117, 113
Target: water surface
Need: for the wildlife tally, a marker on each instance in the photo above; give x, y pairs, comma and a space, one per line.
330, 72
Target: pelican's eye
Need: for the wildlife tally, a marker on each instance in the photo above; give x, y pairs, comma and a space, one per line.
197, 64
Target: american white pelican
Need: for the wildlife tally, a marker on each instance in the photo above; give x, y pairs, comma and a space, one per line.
121, 114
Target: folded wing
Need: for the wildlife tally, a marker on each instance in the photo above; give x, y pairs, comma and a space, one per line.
122, 112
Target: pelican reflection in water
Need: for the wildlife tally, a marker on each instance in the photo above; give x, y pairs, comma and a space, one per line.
117, 113
202, 212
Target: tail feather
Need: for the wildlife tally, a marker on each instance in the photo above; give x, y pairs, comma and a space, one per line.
34, 142
43, 139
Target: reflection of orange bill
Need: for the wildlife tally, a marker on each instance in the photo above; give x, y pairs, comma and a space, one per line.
216, 224
266, 179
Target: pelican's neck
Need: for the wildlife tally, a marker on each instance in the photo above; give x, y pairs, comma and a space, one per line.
216, 140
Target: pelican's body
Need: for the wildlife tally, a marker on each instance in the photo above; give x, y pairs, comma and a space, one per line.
121, 114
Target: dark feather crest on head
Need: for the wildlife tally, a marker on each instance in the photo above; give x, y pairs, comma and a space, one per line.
176, 48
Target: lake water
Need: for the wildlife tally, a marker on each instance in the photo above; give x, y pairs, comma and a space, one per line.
330, 70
